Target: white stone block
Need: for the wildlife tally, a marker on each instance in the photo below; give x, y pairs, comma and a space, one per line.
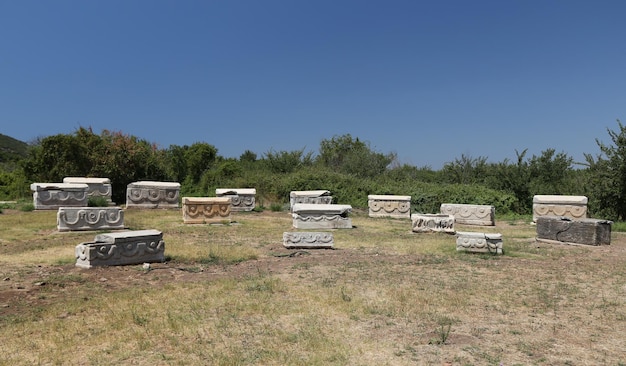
574, 207
121, 248
479, 242
310, 197
206, 210
98, 187
432, 223
51, 196
241, 199
398, 207
89, 218
308, 240
149, 194
321, 216
483, 215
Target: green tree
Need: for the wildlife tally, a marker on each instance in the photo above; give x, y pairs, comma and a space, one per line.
353, 156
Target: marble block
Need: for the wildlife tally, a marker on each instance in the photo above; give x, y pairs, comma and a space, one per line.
574, 207
581, 231
89, 218
321, 216
121, 248
483, 215
308, 240
206, 210
97, 187
313, 197
398, 207
432, 222
479, 242
241, 199
51, 196
149, 194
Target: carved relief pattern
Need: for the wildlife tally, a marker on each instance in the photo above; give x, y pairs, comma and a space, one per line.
58, 198
573, 211
89, 218
479, 244
470, 214
153, 197
105, 254
206, 212
241, 202
389, 208
436, 223
308, 240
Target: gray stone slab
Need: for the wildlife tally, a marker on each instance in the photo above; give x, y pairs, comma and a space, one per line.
241, 199
51, 196
150, 194
422, 223
479, 242
321, 216
308, 240
483, 215
121, 248
90, 218
580, 231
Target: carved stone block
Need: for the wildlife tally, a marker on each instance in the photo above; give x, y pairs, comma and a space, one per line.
308, 240
398, 207
121, 248
89, 218
582, 231
432, 222
98, 187
321, 216
574, 207
313, 197
241, 199
51, 196
483, 215
206, 210
148, 194
479, 242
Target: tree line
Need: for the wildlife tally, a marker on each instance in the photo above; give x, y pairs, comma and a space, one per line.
345, 165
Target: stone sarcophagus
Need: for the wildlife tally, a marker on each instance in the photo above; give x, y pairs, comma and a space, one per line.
582, 231
574, 207
97, 187
89, 218
206, 210
51, 196
422, 223
121, 248
479, 242
241, 199
148, 194
312, 197
321, 216
483, 215
398, 207
308, 240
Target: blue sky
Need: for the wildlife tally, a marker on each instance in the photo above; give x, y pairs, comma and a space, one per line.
427, 80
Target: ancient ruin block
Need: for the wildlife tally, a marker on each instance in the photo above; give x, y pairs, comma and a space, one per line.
206, 210
313, 197
432, 222
121, 248
581, 231
321, 216
241, 199
98, 187
51, 196
398, 207
308, 240
90, 218
479, 242
484, 215
574, 207
147, 194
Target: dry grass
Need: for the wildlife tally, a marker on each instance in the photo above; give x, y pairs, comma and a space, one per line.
385, 296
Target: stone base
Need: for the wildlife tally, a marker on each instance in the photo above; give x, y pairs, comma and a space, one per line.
51, 196
149, 194
206, 210
90, 218
321, 216
308, 240
479, 242
397, 207
241, 199
122, 248
566, 231
422, 223
482, 215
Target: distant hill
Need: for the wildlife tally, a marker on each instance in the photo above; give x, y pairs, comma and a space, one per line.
12, 149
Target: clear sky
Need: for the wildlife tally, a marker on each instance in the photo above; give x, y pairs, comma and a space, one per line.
428, 80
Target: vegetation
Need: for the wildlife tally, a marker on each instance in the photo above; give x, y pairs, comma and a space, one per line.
347, 166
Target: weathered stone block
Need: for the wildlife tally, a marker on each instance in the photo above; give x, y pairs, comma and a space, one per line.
479, 242
398, 207
308, 240
432, 222
241, 199
51, 196
121, 248
582, 231
313, 197
206, 210
89, 218
321, 216
97, 187
484, 215
574, 207
148, 194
